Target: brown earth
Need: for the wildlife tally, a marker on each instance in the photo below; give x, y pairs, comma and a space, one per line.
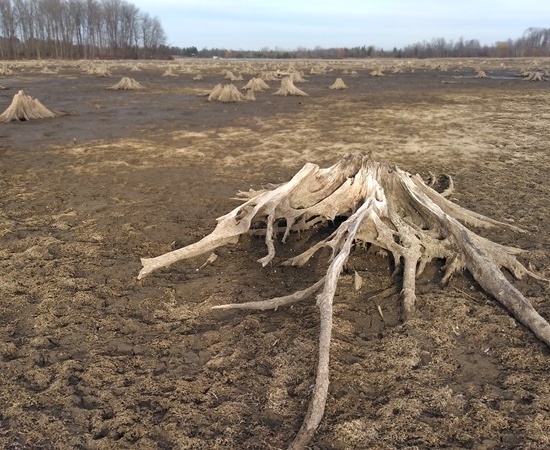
92, 358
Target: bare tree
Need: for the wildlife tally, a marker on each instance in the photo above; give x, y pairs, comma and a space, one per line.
77, 10
76, 29
23, 11
7, 30
128, 30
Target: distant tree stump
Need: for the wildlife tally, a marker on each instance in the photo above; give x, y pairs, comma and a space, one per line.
338, 84
226, 94
288, 88
23, 107
127, 84
534, 76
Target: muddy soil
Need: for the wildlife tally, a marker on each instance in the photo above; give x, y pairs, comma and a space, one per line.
92, 358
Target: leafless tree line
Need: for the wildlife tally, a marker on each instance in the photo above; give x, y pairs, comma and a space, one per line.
73, 29
533, 42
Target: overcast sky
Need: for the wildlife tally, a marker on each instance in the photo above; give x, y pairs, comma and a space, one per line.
289, 24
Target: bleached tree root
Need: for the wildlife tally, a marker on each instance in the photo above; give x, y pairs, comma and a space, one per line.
288, 88
481, 74
338, 84
126, 84
256, 84
23, 107
384, 206
226, 94
534, 76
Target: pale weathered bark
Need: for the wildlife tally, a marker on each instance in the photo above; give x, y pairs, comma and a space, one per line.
226, 94
256, 84
127, 84
288, 88
384, 206
534, 76
23, 107
338, 84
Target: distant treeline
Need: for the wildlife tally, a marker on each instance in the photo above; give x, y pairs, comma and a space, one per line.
73, 29
534, 42
109, 29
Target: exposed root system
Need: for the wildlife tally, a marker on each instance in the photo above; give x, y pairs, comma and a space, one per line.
256, 84
127, 84
288, 88
384, 206
226, 94
338, 84
24, 107
534, 76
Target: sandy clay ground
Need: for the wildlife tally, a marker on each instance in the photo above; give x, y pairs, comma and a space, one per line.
92, 358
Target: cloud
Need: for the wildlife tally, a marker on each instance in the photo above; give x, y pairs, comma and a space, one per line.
288, 24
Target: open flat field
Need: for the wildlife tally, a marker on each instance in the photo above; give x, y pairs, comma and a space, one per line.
92, 358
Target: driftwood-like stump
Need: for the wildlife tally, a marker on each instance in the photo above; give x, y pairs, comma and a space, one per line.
288, 88
383, 206
338, 84
226, 94
534, 76
23, 107
126, 84
481, 74
256, 84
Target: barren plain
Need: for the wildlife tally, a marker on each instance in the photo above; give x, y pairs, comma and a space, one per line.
92, 358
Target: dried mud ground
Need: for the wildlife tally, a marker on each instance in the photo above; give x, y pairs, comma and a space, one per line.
92, 358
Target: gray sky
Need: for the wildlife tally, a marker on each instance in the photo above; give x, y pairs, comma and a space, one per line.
289, 24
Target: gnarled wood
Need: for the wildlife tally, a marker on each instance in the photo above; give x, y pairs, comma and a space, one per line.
226, 94
23, 107
288, 88
384, 206
126, 84
338, 84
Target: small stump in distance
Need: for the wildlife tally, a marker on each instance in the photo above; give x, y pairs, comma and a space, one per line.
338, 84
23, 107
534, 76
481, 74
127, 84
226, 94
288, 88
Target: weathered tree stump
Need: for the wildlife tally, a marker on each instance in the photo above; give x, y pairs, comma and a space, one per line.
226, 94
288, 88
384, 206
127, 84
338, 84
23, 107
534, 76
